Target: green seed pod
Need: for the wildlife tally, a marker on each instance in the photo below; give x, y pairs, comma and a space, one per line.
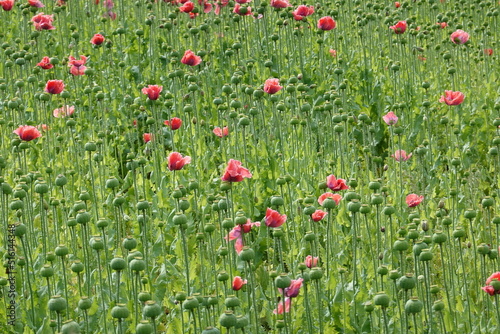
151, 309
47, 271
368, 306
144, 327
61, 250
419, 247
247, 254
120, 311
310, 236
228, 319
84, 303
350, 195
210, 330
118, 264
376, 199
388, 210
57, 304
309, 210
282, 281
425, 255
439, 237
470, 214
137, 264
382, 270
483, 249
227, 224
144, 296
381, 299
20, 229
129, 243
413, 306
277, 201
401, 245
180, 219
407, 282
394, 275
77, 266
365, 209
316, 273
16, 205
493, 254
222, 276
190, 303
118, 200
142, 205
41, 187
329, 203
223, 251
487, 202
241, 321
102, 223
96, 243
354, 206
438, 306
446, 221
70, 327
459, 232
232, 301
209, 228
83, 217
434, 289
180, 296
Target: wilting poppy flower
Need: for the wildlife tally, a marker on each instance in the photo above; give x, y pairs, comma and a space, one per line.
221, 132
54, 86
302, 11
152, 91
27, 132
238, 283
390, 118
283, 308
293, 290
243, 11
326, 23
176, 161
237, 233
274, 218
400, 155
187, 7
7, 4
147, 138
190, 58
272, 86
459, 37
77, 66
174, 123
63, 111
43, 22
452, 98
336, 197
489, 288
235, 172
36, 3
318, 215
488, 52
97, 39
414, 200
45, 63
311, 261
280, 3
336, 184
399, 28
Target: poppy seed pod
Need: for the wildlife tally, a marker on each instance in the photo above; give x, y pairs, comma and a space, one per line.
179, 219
190, 303
459, 232
401, 245
470, 214
228, 319
84, 303
118, 264
232, 301
282, 281
144, 327
211, 330
247, 254
381, 299
413, 306
96, 243
77, 266
368, 306
316, 273
151, 309
61, 250
129, 243
425, 255
70, 327
407, 282
137, 264
57, 304
120, 311
20, 229
222, 276
47, 271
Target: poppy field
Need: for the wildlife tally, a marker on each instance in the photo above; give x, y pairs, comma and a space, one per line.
249, 166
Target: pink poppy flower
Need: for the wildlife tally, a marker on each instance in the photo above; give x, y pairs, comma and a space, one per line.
147, 137
237, 234
190, 58
318, 215
274, 218
45, 63
272, 86
452, 98
176, 161
235, 172
336, 184
302, 11
243, 11
326, 23
459, 37
283, 308
97, 39
311, 261
399, 28
63, 111
27, 132
152, 91
174, 123
238, 283
336, 197
280, 3
77, 66
224, 132
7, 4
400, 155
54, 86
43, 22
390, 118
413, 200
36, 3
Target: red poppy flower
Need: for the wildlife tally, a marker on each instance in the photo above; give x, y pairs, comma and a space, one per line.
490, 290
147, 137
63, 111
302, 11
7, 4
176, 161
45, 63
238, 283
274, 218
174, 123
414, 200
442, 24
459, 37
272, 86
318, 215
221, 132
187, 7
336, 184
152, 91
283, 308
235, 172
452, 98
336, 197
43, 22
397, 4
488, 52
390, 118
54, 86
77, 66
333, 52
326, 23
243, 11
399, 28
36, 3
280, 3
190, 58
495, 276
97, 39
237, 233
27, 132
400, 155
311, 261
